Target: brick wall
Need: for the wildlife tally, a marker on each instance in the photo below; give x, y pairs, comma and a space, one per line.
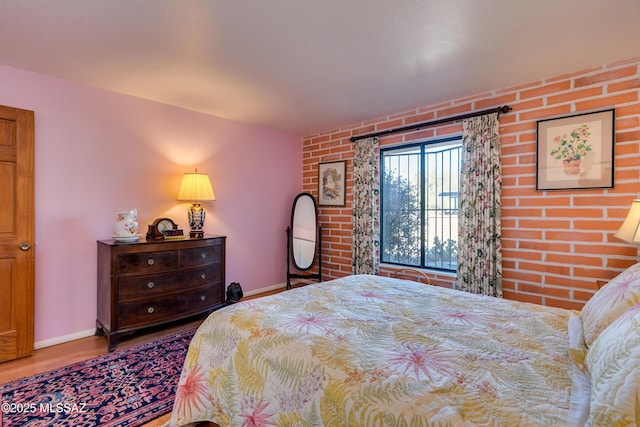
556, 244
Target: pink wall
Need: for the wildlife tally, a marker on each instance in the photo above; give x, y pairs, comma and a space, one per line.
98, 152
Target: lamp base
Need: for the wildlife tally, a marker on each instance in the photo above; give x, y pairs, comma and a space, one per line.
196, 216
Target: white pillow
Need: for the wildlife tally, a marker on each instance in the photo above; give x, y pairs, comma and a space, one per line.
611, 301
614, 363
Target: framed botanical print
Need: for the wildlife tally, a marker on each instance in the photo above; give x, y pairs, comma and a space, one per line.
331, 183
575, 152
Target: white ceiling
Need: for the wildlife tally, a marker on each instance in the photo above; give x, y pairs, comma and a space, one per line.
307, 66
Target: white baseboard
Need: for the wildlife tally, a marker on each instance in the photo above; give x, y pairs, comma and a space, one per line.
65, 338
267, 289
90, 332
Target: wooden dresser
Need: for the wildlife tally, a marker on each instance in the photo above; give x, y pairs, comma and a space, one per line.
149, 283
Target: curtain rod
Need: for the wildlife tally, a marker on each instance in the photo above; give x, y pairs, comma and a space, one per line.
503, 109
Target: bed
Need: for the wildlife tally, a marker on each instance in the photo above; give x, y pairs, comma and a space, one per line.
373, 351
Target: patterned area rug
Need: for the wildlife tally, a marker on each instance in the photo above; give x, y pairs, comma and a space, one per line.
125, 388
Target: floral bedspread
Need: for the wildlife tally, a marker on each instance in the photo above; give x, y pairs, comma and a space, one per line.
373, 351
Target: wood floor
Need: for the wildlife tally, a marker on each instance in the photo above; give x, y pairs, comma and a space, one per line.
68, 353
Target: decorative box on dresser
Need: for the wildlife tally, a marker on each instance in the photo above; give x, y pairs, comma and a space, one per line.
149, 283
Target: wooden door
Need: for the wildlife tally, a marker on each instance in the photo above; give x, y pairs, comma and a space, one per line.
17, 234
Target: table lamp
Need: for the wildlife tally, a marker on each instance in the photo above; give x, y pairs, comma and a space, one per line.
629, 231
196, 188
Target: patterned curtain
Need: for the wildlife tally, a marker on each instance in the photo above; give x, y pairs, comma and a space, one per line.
366, 207
479, 234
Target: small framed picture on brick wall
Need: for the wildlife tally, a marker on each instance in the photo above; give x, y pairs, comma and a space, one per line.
331, 183
575, 152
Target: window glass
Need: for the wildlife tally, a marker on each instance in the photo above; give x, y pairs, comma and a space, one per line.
420, 191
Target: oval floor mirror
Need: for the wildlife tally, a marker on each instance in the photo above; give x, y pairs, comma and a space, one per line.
304, 239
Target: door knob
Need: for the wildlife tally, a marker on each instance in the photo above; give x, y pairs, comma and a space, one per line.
24, 246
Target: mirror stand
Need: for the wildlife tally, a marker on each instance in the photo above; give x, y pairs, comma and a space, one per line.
290, 275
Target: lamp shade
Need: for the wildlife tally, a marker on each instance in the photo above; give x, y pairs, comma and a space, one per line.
196, 187
630, 229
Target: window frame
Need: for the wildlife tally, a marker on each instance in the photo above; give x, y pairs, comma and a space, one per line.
422, 194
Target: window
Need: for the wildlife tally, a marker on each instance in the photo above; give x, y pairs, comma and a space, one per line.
420, 186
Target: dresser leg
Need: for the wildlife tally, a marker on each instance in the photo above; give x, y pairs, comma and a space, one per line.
112, 341
112, 338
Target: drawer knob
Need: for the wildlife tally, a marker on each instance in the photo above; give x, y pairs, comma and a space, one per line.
150, 261
150, 310
150, 285
203, 255
203, 276
203, 298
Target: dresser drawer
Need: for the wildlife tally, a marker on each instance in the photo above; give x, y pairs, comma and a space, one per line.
133, 287
200, 256
147, 286
147, 262
158, 310
199, 276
